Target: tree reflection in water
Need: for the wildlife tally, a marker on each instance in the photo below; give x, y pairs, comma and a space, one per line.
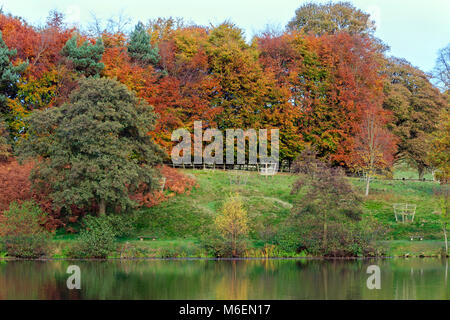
226, 279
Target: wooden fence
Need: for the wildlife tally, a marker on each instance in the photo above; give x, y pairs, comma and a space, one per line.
285, 166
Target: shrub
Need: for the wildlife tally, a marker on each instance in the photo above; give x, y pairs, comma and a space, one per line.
97, 240
344, 237
15, 183
288, 239
16, 186
21, 230
369, 232
176, 183
122, 225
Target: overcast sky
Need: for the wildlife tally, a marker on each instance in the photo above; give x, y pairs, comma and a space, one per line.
414, 29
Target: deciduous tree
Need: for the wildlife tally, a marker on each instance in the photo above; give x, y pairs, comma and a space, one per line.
232, 223
331, 18
327, 82
242, 84
33, 94
416, 105
328, 205
375, 146
440, 148
442, 69
443, 196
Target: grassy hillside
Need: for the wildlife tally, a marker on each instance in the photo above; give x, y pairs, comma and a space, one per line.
268, 201
174, 228
403, 171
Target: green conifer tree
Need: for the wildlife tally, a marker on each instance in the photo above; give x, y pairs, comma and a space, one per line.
85, 58
140, 48
9, 75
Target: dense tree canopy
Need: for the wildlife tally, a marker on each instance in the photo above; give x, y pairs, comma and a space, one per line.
416, 105
375, 145
331, 18
87, 118
315, 82
327, 81
78, 105
440, 148
96, 147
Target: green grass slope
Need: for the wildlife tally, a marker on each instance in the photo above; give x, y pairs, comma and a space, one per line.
268, 201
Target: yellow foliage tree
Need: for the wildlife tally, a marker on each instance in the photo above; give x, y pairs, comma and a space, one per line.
5, 149
440, 152
232, 222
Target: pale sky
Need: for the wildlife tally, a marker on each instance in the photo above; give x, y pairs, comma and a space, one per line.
414, 29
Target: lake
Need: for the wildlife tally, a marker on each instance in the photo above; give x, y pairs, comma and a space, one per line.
226, 279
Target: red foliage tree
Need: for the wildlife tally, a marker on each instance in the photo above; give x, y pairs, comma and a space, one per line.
329, 81
16, 187
14, 182
40, 48
375, 145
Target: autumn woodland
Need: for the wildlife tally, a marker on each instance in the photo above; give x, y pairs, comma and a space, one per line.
87, 115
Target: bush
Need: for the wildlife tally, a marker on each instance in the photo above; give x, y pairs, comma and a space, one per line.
344, 238
288, 239
15, 183
176, 182
21, 230
16, 186
97, 240
370, 231
123, 225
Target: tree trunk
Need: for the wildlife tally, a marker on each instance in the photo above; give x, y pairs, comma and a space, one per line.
233, 243
421, 170
102, 207
367, 185
325, 233
446, 272
445, 238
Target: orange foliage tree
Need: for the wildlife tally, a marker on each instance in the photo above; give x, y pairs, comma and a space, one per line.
328, 81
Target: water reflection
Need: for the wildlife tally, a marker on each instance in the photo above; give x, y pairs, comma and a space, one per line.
233, 279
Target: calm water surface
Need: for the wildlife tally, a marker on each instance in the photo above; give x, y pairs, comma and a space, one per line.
235, 279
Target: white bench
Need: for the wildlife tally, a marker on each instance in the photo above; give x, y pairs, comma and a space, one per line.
268, 168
